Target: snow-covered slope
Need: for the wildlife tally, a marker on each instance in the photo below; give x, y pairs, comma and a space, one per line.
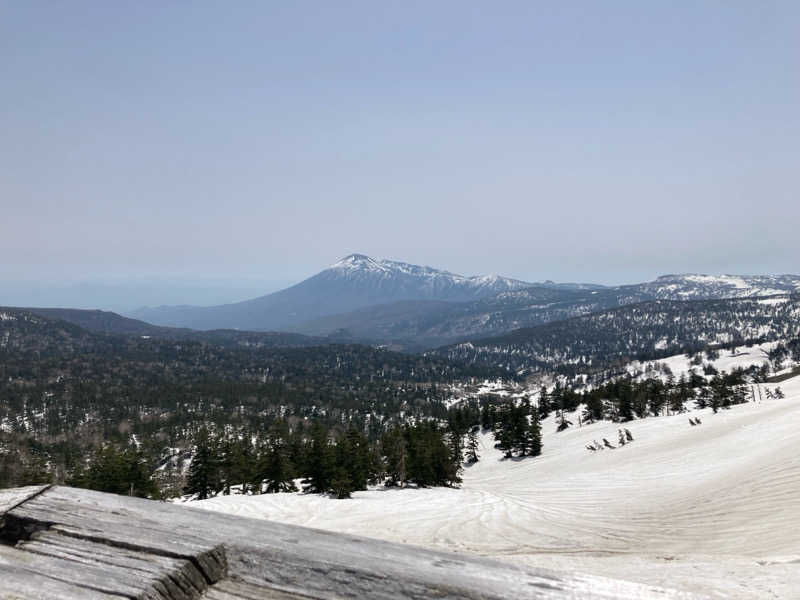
599, 341
742, 357
418, 282
711, 509
705, 287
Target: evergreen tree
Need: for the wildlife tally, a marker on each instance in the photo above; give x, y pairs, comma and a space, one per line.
504, 429
123, 472
472, 447
487, 415
236, 463
353, 458
625, 395
394, 447
543, 403
534, 435
341, 484
276, 468
320, 461
595, 410
203, 479
430, 460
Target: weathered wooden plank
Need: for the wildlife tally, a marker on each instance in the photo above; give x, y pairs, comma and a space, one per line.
23, 584
9, 498
237, 590
120, 570
119, 527
18, 564
308, 562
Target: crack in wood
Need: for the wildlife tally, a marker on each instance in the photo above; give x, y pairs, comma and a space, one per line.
115, 567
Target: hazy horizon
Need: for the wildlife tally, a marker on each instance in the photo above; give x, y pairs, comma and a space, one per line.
167, 154
128, 294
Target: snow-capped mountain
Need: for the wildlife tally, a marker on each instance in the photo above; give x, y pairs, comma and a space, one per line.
381, 300
415, 282
706, 287
423, 325
356, 281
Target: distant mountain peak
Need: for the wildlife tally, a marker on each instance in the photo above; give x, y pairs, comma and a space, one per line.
357, 261
363, 265
355, 258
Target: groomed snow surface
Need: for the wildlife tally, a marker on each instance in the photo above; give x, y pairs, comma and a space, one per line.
713, 509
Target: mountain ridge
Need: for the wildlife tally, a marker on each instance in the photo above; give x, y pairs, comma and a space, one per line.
416, 307
356, 281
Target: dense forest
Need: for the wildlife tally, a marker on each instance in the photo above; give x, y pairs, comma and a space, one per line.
645, 331
161, 417
66, 393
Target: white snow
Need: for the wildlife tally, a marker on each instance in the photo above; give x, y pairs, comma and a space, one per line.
688, 286
711, 509
742, 357
360, 263
772, 301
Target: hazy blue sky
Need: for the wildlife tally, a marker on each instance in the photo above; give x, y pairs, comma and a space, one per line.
599, 141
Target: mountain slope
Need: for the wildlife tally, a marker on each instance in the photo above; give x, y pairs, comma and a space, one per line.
708, 509
110, 323
354, 282
415, 307
101, 321
710, 287
428, 324
606, 339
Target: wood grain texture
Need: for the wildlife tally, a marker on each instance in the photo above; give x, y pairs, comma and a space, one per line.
10, 498
26, 575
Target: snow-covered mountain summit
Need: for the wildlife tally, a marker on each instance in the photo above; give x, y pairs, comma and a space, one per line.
702, 287
416, 282
417, 298
357, 281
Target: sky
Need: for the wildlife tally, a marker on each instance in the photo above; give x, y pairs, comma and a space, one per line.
202, 151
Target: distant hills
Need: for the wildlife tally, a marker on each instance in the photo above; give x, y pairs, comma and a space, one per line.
524, 328
610, 339
408, 307
105, 322
414, 307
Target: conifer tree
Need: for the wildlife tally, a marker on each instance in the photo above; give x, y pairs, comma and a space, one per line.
534, 435
203, 479
276, 469
595, 410
320, 461
394, 448
472, 447
543, 403
353, 458
504, 430
625, 395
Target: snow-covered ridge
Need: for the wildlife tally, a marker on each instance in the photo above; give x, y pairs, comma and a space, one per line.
697, 286
360, 264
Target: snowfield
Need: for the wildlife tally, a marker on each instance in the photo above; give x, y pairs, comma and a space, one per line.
741, 357
712, 509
